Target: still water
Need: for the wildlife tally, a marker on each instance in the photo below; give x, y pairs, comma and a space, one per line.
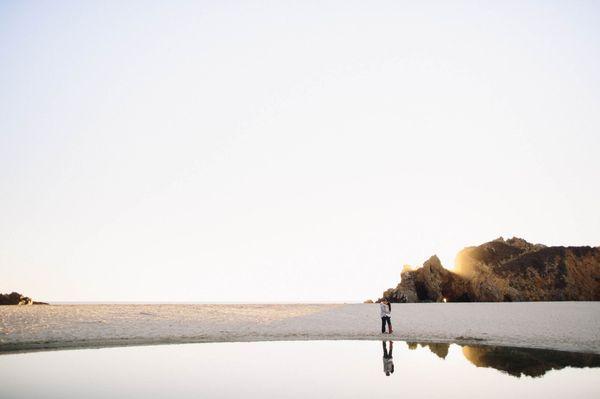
304, 369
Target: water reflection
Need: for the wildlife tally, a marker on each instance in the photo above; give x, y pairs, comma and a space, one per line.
258, 370
388, 360
440, 350
529, 362
515, 361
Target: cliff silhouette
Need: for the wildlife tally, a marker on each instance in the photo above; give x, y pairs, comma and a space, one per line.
505, 271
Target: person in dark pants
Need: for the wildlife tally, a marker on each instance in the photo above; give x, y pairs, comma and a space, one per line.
385, 309
388, 360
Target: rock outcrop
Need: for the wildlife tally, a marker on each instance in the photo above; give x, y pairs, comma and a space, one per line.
505, 270
14, 298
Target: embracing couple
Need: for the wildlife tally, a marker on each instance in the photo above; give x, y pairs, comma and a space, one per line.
386, 312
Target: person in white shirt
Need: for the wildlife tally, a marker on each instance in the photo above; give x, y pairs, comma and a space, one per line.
385, 309
388, 360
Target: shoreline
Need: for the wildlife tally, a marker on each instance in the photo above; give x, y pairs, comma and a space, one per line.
562, 326
108, 344
33, 347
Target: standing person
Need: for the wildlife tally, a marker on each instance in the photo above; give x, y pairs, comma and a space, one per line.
385, 309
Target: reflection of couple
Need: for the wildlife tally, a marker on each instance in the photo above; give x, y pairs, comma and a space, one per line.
388, 360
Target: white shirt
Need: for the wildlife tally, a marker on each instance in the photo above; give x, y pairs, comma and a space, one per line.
388, 365
384, 310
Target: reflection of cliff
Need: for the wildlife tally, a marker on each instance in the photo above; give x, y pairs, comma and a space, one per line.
441, 350
515, 361
505, 270
529, 362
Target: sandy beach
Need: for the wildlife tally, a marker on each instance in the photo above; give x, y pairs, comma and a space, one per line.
568, 326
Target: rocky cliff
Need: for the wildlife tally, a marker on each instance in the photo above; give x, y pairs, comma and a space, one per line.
14, 298
505, 270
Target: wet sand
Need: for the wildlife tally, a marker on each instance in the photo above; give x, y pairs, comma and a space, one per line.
568, 326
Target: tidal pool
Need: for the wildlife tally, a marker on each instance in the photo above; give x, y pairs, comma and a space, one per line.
300, 369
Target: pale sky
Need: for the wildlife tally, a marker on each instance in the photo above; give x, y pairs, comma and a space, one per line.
287, 151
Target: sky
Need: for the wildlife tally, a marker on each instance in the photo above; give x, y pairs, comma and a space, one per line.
229, 151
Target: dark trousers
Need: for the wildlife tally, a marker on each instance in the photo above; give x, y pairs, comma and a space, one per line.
386, 319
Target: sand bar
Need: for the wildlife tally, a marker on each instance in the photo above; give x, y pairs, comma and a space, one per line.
569, 326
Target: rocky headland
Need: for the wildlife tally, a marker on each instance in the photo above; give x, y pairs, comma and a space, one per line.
14, 298
504, 271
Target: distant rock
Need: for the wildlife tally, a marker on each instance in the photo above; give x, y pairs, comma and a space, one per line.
368, 301
505, 270
14, 298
